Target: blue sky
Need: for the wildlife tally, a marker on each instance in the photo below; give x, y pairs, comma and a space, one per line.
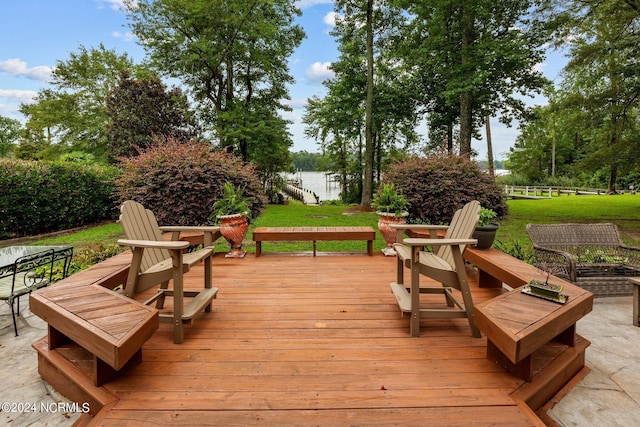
37, 33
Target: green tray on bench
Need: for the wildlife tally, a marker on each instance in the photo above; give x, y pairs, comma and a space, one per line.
544, 290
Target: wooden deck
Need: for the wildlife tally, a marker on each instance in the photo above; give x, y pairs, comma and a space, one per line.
312, 341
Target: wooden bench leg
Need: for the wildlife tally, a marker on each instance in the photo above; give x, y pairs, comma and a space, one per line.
370, 247
258, 248
522, 369
485, 280
314, 248
56, 338
568, 336
636, 303
103, 372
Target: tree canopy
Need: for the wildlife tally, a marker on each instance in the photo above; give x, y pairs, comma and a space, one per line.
71, 115
142, 112
591, 125
10, 132
232, 56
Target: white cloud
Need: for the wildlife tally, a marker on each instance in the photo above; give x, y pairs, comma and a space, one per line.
22, 96
305, 4
292, 116
123, 36
330, 18
319, 72
296, 103
114, 4
17, 67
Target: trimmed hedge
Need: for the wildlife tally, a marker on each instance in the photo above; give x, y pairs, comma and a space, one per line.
41, 197
180, 181
439, 185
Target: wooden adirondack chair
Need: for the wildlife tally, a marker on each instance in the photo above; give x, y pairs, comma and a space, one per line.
156, 261
444, 264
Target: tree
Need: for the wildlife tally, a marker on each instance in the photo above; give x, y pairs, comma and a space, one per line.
72, 114
368, 109
471, 59
10, 131
232, 55
548, 144
602, 81
140, 109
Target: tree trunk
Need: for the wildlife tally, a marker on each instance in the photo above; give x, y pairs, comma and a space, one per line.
613, 176
466, 99
367, 184
492, 171
378, 166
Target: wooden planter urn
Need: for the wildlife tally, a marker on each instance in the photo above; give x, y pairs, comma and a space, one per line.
385, 221
234, 228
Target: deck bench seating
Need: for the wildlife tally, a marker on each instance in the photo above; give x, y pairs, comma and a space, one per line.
518, 325
286, 234
591, 256
81, 309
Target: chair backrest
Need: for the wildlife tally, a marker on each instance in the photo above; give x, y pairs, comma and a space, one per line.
139, 223
573, 235
462, 226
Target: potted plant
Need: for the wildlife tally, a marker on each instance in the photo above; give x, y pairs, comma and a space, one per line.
485, 231
232, 211
390, 206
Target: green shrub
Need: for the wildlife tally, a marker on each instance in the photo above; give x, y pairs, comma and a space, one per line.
180, 181
89, 255
437, 186
388, 200
232, 202
40, 197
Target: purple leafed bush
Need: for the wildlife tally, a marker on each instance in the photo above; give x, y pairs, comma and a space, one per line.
180, 181
439, 185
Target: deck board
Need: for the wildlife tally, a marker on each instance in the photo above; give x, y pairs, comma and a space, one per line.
313, 341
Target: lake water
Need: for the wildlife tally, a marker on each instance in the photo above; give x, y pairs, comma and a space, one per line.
318, 183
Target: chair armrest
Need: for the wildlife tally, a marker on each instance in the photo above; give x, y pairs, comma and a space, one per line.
412, 241
631, 250
402, 229
418, 227
172, 245
558, 263
633, 255
203, 228
209, 231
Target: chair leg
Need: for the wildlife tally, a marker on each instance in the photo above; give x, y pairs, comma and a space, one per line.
13, 316
415, 292
178, 303
208, 279
160, 299
464, 289
468, 304
400, 270
448, 297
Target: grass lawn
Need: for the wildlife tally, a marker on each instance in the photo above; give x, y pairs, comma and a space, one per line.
622, 210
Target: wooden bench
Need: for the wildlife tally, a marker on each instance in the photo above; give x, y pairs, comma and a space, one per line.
517, 325
82, 310
287, 234
635, 282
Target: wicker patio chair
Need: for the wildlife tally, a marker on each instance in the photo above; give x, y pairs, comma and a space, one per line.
590, 255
